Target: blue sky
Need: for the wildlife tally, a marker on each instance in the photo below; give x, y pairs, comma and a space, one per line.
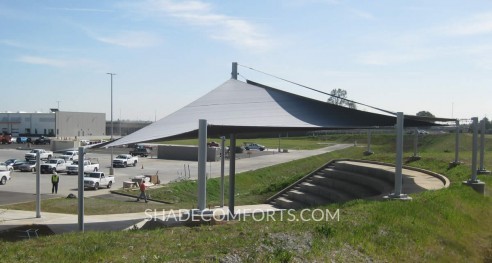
397, 55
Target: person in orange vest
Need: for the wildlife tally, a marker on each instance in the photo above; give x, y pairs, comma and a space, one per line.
143, 188
54, 181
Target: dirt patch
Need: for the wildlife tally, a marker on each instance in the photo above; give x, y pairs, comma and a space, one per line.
25, 232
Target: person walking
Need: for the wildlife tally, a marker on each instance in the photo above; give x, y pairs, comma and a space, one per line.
54, 181
143, 194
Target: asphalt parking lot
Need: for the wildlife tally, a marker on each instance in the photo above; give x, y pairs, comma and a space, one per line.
167, 170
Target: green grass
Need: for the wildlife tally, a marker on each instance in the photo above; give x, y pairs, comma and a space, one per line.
450, 225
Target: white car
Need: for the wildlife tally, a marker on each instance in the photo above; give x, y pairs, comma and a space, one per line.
4, 177
6, 167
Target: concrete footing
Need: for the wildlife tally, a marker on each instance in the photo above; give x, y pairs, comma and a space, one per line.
366, 153
454, 164
483, 171
478, 186
402, 197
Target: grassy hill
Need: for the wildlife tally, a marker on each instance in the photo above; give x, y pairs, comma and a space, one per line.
450, 225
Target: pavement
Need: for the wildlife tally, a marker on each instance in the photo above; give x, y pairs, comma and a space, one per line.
61, 223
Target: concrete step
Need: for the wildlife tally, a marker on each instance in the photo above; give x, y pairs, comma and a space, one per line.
331, 195
307, 198
377, 184
378, 171
285, 203
350, 187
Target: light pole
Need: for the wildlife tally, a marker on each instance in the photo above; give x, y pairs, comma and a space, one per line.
111, 171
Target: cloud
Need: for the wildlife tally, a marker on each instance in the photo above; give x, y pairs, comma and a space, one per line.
384, 58
476, 25
11, 43
43, 61
362, 14
236, 31
130, 39
92, 10
57, 63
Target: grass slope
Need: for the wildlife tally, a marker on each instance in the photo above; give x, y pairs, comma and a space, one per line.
450, 225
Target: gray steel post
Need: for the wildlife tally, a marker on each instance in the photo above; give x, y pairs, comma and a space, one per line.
416, 142
38, 185
399, 154
202, 164
81, 190
234, 70
369, 135
457, 143
474, 149
482, 144
222, 170
232, 173
111, 169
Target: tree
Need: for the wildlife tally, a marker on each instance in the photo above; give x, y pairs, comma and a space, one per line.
339, 97
425, 114
488, 124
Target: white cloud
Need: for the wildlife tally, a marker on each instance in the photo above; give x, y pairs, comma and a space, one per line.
92, 10
59, 63
52, 62
362, 14
130, 39
476, 25
395, 57
236, 31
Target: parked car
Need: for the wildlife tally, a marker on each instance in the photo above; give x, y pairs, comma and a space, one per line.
5, 138
89, 166
140, 151
70, 155
6, 167
213, 144
43, 154
17, 165
42, 140
253, 146
97, 179
124, 160
4, 177
54, 165
23, 140
30, 166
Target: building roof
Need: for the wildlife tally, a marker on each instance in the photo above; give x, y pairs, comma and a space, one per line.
239, 107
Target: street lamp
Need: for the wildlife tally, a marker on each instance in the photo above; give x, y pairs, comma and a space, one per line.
111, 171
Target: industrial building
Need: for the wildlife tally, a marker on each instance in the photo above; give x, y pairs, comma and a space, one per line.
53, 124
125, 127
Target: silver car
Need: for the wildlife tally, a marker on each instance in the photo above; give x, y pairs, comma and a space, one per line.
30, 166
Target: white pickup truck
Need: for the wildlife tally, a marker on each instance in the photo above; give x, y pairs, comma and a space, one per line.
43, 154
124, 160
89, 167
70, 155
53, 165
98, 179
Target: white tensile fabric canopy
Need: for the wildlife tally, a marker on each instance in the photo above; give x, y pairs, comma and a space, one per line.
239, 107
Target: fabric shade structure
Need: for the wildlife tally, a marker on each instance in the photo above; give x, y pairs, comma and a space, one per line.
239, 107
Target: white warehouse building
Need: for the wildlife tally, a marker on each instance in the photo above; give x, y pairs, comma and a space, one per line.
53, 124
